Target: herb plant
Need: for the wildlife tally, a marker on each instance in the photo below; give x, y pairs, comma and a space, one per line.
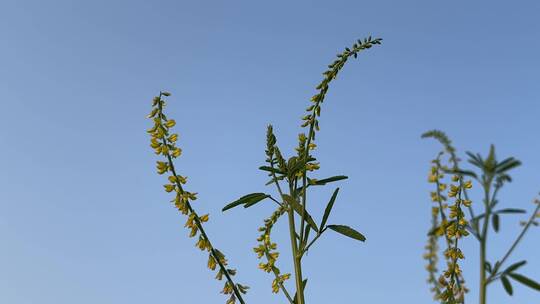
450, 222
290, 178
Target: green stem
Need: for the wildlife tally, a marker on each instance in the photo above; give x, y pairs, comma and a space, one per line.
516, 242
483, 241
296, 258
198, 222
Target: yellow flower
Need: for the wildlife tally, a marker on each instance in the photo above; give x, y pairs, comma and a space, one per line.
204, 218
468, 185
170, 123
162, 167
176, 152
211, 262
169, 187
275, 286
173, 137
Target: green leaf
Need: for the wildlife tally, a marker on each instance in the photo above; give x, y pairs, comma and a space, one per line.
495, 221
525, 281
510, 211
297, 207
329, 208
514, 266
294, 164
507, 164
476, 160
249, 200
496, 266
325, 181
271, 170
348, 231
278, 178
255, 200
487, 265
507, 285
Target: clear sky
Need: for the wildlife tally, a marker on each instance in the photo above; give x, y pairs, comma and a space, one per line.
83, 218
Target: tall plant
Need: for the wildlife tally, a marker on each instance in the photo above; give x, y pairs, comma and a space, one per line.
290, 178
454, 217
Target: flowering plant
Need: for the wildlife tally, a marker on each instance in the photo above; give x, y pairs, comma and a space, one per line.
291, 179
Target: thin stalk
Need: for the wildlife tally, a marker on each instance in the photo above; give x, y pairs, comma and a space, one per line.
296, 259
281, 286
294, 247
200, 226
304, 250
516, 242
483, 241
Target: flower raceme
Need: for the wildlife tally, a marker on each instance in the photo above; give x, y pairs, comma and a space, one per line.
164, 144
450, 221
291, 173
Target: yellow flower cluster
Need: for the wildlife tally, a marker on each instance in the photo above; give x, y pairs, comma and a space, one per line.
314, 110
431, 254
164, 143
453, 227
267, 249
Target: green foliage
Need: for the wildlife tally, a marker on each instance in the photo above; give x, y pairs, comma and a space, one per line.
492, 175
247, 200
291, 180
348, 231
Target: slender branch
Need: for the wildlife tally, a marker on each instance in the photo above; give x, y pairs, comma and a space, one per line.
277, 202
304, 250
198, 223
516, 242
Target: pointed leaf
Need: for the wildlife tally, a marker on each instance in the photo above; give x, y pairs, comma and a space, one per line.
507, 164
488, 266
250, 198
325, 181
525, 281
252, 201
507, 285
495, 221
510, 211
348, 231
278, 178
271, 170
329, 208
514, 266
476, 160
297, 207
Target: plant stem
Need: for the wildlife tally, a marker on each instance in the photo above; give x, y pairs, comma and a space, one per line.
516, 242
296, 258
198, 222
483, 241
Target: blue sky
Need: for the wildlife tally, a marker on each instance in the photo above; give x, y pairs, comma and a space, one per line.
83, 218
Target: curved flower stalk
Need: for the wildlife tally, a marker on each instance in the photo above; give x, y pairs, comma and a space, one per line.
452, 223
164, 143
431, 255
268, 249
293, 173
